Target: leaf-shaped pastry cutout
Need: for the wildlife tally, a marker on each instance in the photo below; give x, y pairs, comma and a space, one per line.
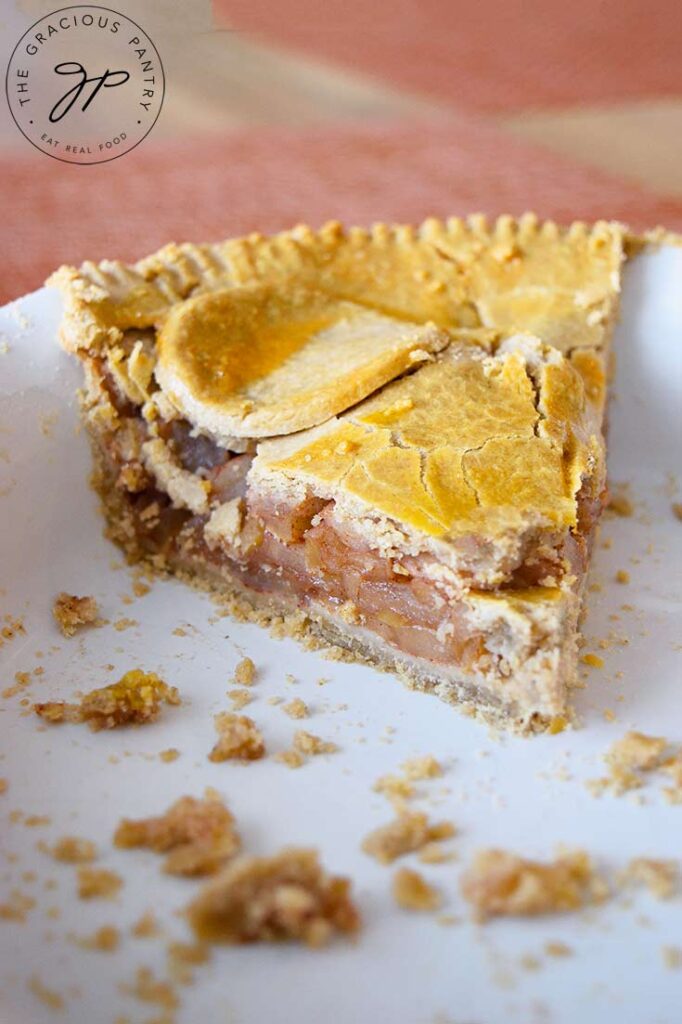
257, 360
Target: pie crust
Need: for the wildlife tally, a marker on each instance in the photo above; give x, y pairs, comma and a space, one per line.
386, 439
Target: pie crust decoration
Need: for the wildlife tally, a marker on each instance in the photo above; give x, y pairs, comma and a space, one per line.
388, 439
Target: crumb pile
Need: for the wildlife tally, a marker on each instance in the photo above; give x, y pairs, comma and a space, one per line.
287, 896
198, 836
635, 758
499, 883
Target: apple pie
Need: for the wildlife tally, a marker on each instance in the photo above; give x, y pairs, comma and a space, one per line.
388, 439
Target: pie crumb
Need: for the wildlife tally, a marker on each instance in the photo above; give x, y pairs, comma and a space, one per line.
593, 660
169, 755
412, 892
98, 883
17, 907
619, 501
530, 962
140, 588
239, 738
677, 509
148, 989
661, 877
245, 672
408, 832
21, 681
434, 853
146, 927
71, 612
500, 883
134, 700
307, 743
264, 899
13, 627
296, 708
622, 576
672, 766
183, 956
291, 758
73, 850
105, 940
628, 758
47, 996
36, 820
557, 949
426, 767
198, 836
672, 955
239, 698
394, 787
637, 751
3, 785
125, 623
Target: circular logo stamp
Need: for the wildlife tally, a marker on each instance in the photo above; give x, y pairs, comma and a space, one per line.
85, 84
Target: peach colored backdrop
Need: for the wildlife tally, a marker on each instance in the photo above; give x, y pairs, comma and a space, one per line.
303, 110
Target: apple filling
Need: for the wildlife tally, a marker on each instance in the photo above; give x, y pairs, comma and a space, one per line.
306, 556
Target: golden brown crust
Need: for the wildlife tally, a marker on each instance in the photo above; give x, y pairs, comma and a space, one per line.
360, 293
654, 237
469, 444
253, 360
426, 270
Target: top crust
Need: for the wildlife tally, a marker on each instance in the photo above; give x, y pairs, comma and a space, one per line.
320, 320
253, 360
469, 444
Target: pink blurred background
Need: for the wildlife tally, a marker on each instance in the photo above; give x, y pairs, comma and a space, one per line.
277, 113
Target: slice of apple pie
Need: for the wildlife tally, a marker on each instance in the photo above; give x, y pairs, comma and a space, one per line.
390, 439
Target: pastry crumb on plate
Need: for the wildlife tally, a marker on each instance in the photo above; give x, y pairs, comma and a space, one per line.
71, 612
266, 899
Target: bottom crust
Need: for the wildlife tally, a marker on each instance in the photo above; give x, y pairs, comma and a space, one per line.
315, 627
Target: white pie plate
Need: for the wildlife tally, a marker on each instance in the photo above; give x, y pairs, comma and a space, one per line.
527, 795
